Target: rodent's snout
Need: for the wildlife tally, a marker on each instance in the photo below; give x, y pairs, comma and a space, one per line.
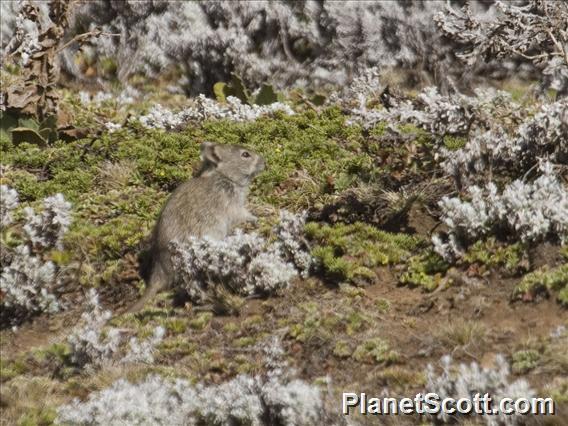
261, 165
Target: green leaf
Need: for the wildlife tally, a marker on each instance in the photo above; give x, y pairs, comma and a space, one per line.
238, 89
266, 96
7, 123
24, 134
318, 99
220, 89
28, 123
48, 128
45, 133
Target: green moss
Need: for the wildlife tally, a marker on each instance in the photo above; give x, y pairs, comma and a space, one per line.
383, 305
310, 156
379, 129
26, 183
30, 156
242, 342
355, 293
424, 270
491, 254
72, 183
342, 349
252, 321
304, 152
109, 226
562, 296
231, 327
350, 252
61, 258
559, 390
244, 366
161, 158
110, 240
545, 279
201, 321
315, 324
38, 416
355, 321
178, 346
5, 141
57, 351
524, 361
11, 368
341, 269
453, 143
60, 168
175, 325
375, 350
421, 136
306, 330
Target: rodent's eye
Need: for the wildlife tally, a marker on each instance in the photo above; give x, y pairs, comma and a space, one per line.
245, 154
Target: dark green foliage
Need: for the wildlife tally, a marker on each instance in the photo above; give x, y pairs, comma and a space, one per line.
351, 252
22, 129
375, 350
267, 95
425, 270
526, 360
119, 181
303, 152
545, 280
490, 254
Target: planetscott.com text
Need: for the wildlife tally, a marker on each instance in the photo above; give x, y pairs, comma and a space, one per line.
432, 403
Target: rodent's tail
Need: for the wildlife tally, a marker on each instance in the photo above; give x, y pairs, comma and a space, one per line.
155, 284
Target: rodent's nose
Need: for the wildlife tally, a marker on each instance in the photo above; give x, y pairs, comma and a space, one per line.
261, 164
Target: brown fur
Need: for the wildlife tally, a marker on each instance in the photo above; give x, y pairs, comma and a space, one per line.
211, 204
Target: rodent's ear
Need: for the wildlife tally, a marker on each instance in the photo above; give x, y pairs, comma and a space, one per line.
208, 152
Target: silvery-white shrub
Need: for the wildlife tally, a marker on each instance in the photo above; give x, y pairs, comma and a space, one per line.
19, 33
27, 279
543, 135
534, 30
291, 241
89, 344
93, 344
547, 132
308, 43
127, 96
143, 351
295, 403
440, 115
46, 230
240, 262
366, 85
204, 108
463, 381
26, 283
300, 42
154, 401
246, 264
252, 400
526, 211
8, 202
